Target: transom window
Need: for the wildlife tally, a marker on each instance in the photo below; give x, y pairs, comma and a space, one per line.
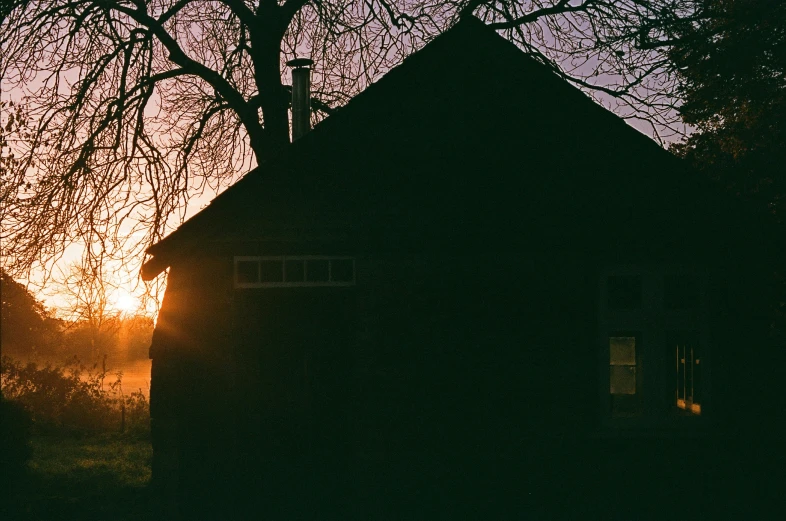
294, 271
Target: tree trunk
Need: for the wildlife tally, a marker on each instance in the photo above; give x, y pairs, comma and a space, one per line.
274, 102
266, 56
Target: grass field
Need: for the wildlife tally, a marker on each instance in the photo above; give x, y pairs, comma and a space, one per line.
107, 477
89, 478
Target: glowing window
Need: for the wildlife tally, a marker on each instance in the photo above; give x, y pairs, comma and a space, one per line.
622, 375
653, 317
689, 369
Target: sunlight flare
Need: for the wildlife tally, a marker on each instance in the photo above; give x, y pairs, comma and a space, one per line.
125, 302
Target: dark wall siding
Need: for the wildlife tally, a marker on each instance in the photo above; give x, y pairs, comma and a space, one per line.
471, 358
435, 370
748, 360
193, 384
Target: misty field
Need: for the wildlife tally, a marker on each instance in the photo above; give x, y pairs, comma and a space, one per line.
83, 478
136, 376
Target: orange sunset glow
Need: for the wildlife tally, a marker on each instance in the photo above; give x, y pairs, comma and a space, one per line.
125, 302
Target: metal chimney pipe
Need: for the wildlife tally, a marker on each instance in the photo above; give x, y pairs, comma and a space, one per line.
301, 96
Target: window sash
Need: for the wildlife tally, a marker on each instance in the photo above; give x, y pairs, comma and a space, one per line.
689, 377
624, 386
671, 307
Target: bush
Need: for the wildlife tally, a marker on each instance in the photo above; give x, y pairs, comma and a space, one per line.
15, 450
73, 398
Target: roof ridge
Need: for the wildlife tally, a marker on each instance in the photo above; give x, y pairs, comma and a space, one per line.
255, 174
469, 47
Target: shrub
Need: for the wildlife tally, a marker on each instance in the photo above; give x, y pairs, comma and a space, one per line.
73, 398
15, 450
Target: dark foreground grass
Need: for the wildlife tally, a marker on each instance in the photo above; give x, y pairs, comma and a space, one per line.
88, 478
107, 478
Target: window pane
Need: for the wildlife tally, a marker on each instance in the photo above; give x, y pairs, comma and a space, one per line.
680, 371
317, 270
696, 379
247, 272
295, 271
689, 372
622, 379
271, 271
622, 350
689, 365
681, 292
342, 270
624, 292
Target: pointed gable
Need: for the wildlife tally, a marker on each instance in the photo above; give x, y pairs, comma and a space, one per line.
468, 122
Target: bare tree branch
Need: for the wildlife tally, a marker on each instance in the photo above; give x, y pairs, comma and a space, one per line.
131, 108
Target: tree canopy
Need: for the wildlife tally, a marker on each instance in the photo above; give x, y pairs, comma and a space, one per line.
25, 325
732, 72
130, 107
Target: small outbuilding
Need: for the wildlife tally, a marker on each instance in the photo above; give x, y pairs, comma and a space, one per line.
471, 289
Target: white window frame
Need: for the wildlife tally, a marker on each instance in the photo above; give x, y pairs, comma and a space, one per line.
295, 284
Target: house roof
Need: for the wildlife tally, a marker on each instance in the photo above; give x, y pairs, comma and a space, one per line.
451, 117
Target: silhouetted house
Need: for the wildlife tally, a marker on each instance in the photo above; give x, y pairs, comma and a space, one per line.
469, 274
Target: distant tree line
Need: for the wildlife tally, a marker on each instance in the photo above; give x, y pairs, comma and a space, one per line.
25, 324
31, 332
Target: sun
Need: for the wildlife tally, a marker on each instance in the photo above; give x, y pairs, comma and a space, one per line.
125, 302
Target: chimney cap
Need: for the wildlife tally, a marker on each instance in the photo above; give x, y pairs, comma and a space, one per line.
300, 62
